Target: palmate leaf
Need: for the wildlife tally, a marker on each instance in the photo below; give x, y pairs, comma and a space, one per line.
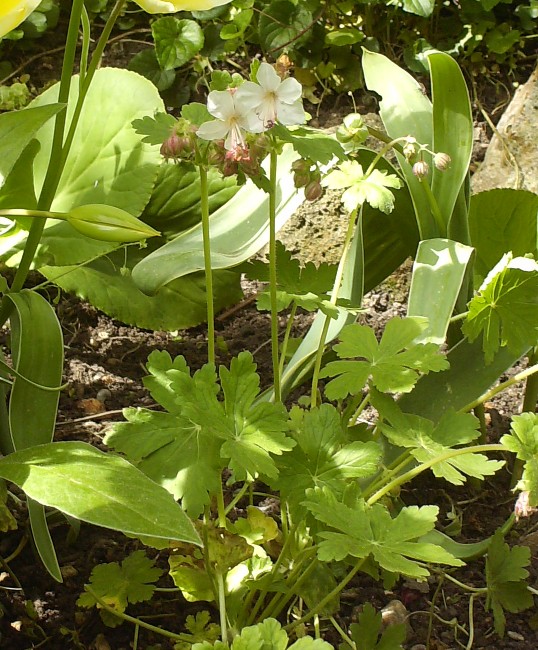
167, 446
323, 457
392, 365
506, 578
370, 530
120, 584
428, 442
524, 442
248, 433
505, 311
365, 633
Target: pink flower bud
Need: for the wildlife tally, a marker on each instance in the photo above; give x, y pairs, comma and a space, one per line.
522, 507
176, 146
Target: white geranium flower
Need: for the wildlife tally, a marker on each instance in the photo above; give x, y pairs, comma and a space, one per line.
272, 99
233, 118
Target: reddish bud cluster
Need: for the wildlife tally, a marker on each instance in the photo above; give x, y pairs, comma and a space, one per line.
306, 174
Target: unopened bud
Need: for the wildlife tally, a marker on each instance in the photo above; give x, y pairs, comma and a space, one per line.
353, 130
176, 146
522, 507
421, 169
301, 179
442, 161
313, 191
410, 148
108, 223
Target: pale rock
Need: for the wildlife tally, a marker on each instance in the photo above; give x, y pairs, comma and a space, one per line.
517, 129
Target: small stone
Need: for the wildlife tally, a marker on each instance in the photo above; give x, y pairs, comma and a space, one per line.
91, 406
515, 636
103, 395
394, 613
68, 571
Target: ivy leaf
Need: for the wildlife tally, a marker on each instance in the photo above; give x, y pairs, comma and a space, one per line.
429, 441
367, 631
323, 457
361, 188
120, 584
306, 286
506, 579
176, 41
392, 365
370, 530
505, 310
523, 441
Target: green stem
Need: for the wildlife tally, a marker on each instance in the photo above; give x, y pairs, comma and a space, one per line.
471, 622
286, 338
462, 585
333, 301
222, 609
237, 498
529, 404
84, 55
204, 206
220, 507
290, 593
273, 273
327, 599
50, 184
360, 408
85, 85
274, 569
408, 476
187, 638
342, 633
390, 144
486, 397
434, 206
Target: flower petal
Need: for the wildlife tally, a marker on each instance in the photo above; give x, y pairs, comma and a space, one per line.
268, 78
290, 114
13, 12
249, 96
220, 104
289, 91
212, 130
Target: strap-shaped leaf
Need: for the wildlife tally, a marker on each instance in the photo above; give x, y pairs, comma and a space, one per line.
37, 346
438, 274
405, 110
452, 130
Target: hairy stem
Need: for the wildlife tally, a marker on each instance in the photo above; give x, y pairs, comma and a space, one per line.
204, 205
273, 274
334, 299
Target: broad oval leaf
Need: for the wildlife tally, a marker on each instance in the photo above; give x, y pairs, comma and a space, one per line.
17, 128
108, 163
101, 489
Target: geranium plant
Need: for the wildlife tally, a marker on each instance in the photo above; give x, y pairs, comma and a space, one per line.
220, 443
